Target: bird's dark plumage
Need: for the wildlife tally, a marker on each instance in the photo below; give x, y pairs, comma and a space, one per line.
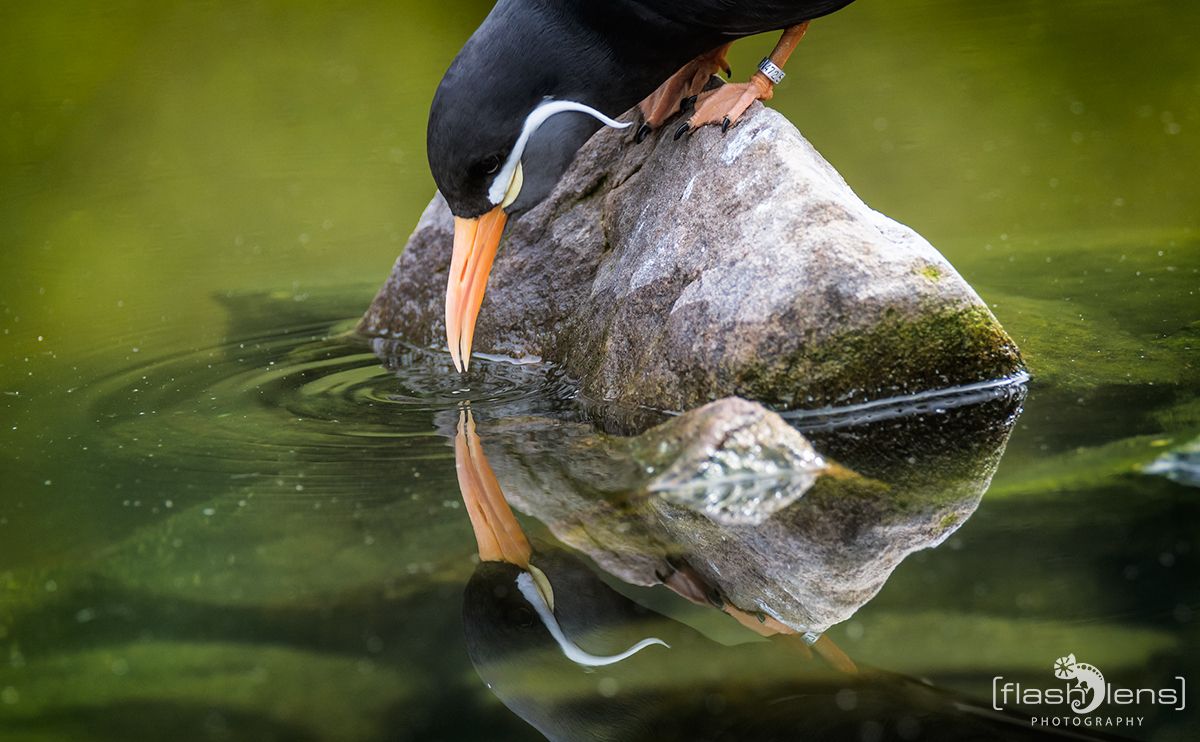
741, 17
608, 55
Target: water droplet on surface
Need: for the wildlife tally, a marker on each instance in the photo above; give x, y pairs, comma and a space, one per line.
608, 687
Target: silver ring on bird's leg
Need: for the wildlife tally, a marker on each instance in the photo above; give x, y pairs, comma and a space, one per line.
773, 71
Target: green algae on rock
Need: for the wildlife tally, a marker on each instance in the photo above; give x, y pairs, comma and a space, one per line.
678, 272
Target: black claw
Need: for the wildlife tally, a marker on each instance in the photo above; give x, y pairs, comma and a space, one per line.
687, 103
725, 124
642, 132
683, 128
677, 562
728, 71
714, 598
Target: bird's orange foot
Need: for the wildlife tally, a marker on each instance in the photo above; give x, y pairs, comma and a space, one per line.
680, 89
725, 105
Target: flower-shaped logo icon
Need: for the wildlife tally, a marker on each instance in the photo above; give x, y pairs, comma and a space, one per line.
1063, 665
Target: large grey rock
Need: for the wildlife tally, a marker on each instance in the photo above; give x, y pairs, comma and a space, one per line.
673, 273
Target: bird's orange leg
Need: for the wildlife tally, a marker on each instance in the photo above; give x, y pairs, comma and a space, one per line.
727, 103
684, 580
681, 87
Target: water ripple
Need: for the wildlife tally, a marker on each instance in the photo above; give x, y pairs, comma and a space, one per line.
247, 405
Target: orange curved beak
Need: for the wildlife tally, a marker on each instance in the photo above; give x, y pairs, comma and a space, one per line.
475, 244
497, 532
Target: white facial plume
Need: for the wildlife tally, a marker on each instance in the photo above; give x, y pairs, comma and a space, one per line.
570, 649
507, 185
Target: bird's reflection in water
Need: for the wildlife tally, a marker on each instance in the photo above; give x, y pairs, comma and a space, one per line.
578, 660
521, 588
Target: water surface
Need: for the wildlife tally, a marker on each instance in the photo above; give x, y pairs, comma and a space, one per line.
221, 517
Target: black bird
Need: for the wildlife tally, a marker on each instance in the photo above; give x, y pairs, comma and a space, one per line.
539, 77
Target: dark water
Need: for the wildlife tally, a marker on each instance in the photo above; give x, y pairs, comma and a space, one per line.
221, 517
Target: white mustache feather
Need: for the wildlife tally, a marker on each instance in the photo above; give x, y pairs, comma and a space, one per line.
572, 651
537, 117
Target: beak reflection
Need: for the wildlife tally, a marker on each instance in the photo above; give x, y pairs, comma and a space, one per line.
475, 244
499, 538
497, 532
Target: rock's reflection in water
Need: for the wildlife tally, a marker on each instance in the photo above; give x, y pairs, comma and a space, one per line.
829, 536
884, 490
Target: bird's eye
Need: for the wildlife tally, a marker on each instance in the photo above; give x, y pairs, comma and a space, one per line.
488, 165
521, 617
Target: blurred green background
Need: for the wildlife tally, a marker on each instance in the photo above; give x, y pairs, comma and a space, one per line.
192, 190
151, 153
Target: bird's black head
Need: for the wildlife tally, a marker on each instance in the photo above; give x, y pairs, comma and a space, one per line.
504, 126
471, 134
519, 91
490, 145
